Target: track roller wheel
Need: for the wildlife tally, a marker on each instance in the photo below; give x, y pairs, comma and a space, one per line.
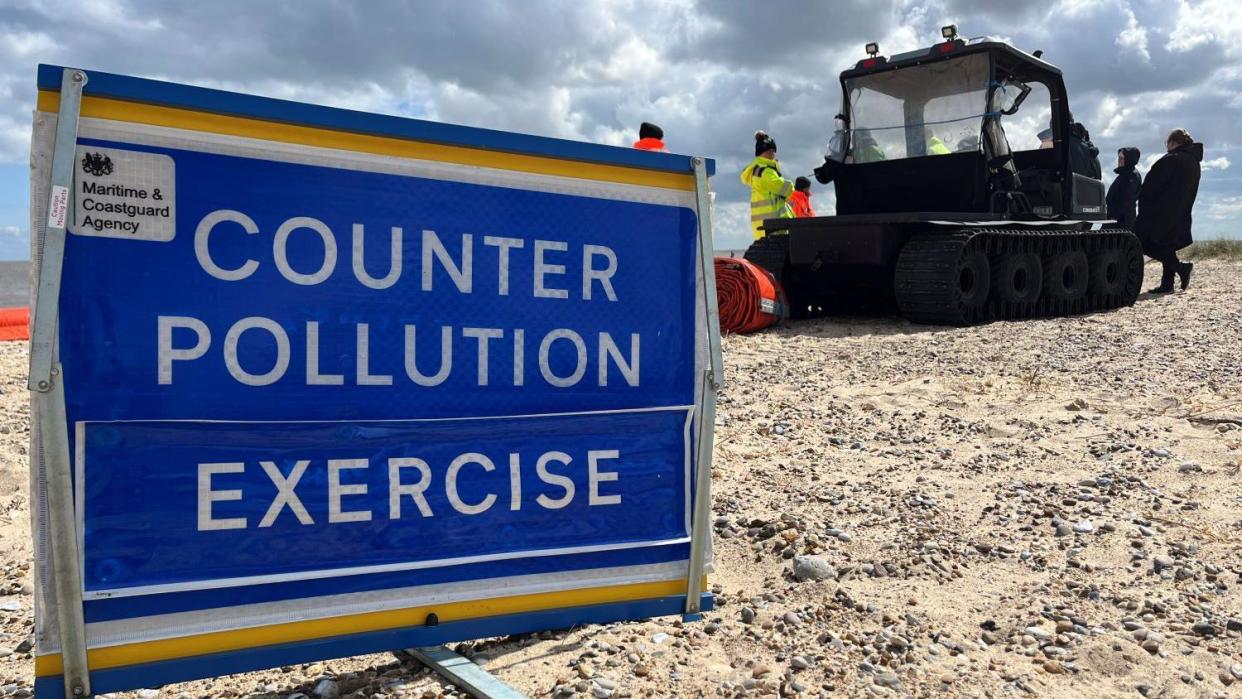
1109, 275
1017, 281
1133, 256
799, 299
1066, 276
974, 282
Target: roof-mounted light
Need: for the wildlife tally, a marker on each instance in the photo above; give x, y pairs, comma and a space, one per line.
872, 49
949, 32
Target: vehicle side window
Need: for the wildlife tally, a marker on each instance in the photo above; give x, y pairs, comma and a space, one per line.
1024, 128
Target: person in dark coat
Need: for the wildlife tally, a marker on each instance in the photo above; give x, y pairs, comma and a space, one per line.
1084, 156
1123, 193
1165, 202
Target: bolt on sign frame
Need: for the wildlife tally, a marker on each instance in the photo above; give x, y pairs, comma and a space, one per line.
242, 457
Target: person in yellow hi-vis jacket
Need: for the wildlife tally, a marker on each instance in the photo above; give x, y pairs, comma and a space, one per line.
769, 191
935, 146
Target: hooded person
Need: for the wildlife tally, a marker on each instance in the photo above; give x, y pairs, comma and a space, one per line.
650, 137
800, 200
1165, 203
769, 191
1084, 156
1123, 193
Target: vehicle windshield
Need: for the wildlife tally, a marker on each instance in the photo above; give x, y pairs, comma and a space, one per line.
932, 109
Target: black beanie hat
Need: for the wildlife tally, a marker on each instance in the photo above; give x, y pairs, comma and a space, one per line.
1129, 157
763, 143
802, 184
649, 130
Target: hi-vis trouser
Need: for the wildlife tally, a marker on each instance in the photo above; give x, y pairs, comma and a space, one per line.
763, 207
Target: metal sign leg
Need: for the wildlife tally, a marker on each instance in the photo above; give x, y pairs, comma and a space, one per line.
700, 523
66, 573
463, 673
713, 379
48, 398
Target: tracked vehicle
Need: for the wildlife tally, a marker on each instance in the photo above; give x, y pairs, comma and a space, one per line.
938, 212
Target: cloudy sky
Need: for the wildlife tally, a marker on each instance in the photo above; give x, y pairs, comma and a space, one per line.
709, 72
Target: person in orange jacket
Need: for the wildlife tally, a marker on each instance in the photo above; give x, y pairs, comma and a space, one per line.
800, 200
650, 137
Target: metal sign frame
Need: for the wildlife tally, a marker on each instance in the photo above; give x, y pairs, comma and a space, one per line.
48, 396
65, 594
713, 381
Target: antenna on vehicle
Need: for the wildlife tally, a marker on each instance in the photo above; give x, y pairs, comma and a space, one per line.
1039, 53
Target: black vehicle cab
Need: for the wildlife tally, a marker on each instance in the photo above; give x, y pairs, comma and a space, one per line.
926, 131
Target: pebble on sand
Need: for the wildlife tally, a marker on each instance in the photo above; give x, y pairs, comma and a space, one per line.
812, 568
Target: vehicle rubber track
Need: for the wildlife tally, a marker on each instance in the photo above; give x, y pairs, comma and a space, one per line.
770, 252
936, 271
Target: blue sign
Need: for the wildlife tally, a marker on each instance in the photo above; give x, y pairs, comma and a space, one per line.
338, 383
227, 503
302, 314
462, 299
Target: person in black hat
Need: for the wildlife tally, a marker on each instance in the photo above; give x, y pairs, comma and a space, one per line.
650, 137
769, 190
800, 200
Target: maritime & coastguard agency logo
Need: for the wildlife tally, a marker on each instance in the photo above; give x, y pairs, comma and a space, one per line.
97, 164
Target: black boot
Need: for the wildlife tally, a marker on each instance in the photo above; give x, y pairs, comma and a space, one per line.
1166, 282
1183, 273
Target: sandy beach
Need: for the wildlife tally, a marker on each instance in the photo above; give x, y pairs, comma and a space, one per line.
1045, 508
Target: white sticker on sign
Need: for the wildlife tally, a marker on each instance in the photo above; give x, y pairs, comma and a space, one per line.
124, 194
59, 207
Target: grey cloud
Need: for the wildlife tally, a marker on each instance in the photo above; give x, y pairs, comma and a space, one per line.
757, 35
709, 72
1004, 12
